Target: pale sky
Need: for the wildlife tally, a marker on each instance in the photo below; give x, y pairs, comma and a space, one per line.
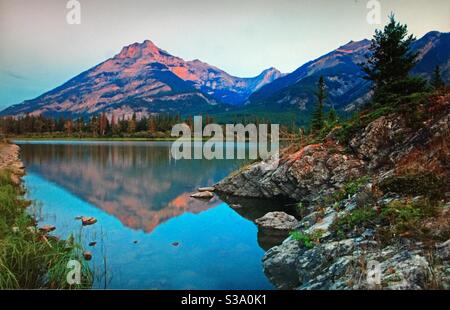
39, 50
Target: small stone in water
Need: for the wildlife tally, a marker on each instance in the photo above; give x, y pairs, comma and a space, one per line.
206, 189
87, 255
88, 221
203, 195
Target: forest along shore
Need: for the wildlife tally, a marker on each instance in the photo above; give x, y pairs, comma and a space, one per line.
30, 258
373, 199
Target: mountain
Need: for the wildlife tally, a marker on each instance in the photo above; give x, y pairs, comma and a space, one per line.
346, 87
145, 79
221, 86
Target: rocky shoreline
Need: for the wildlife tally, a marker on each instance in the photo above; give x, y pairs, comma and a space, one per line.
374, 210
10, 160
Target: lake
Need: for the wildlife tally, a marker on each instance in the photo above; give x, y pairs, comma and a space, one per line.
150, 234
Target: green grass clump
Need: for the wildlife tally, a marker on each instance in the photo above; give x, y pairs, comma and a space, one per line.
399, 217
406, 216
29, 259
362, 217
350, 188
307, 240
301, 209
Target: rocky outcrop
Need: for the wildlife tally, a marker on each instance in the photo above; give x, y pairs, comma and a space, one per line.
400, 160
314, 170
384, 147
346, 264
9, 161
343, 265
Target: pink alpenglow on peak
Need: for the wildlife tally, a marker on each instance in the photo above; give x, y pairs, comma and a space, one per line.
145, 79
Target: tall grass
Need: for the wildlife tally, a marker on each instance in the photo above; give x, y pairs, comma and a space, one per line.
30, 259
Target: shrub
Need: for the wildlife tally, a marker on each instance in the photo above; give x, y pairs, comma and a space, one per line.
350, 188
301, 209
406, 215
307, 240
348, 130
415, 184
396, 218
363, 217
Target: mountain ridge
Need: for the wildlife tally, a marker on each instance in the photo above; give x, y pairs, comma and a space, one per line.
145, 79
346, 86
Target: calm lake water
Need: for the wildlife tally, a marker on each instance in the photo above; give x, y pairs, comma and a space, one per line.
150, 234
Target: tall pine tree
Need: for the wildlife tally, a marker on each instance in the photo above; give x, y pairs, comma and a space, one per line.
436, 82
317, 121
389, 62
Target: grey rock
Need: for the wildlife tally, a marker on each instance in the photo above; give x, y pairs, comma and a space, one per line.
313, 171
279, 264
206, 189
203, 195
278, 221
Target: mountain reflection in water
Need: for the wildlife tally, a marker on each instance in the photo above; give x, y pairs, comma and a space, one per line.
150, 232
140, 185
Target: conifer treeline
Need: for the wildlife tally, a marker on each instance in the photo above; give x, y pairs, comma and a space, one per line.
155, 126
95, 126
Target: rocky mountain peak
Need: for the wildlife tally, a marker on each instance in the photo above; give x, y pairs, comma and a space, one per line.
136, 50
354, 46
271, 72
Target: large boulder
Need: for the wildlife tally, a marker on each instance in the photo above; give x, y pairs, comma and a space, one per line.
314, 170
280, 264
277, 221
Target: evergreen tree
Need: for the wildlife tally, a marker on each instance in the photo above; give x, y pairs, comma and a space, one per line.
436, 82
68, 127
132, 124
94, 126
152, 125
103, 123
389, 63
332, 117
317, 117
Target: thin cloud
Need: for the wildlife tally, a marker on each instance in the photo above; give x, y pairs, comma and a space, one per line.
14, 75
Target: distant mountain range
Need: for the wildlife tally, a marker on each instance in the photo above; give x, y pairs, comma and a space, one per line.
145, 79
346, 87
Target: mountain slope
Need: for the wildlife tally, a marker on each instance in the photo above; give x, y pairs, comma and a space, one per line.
144, 79
347, 89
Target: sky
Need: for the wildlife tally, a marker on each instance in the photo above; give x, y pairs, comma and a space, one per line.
39, 50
